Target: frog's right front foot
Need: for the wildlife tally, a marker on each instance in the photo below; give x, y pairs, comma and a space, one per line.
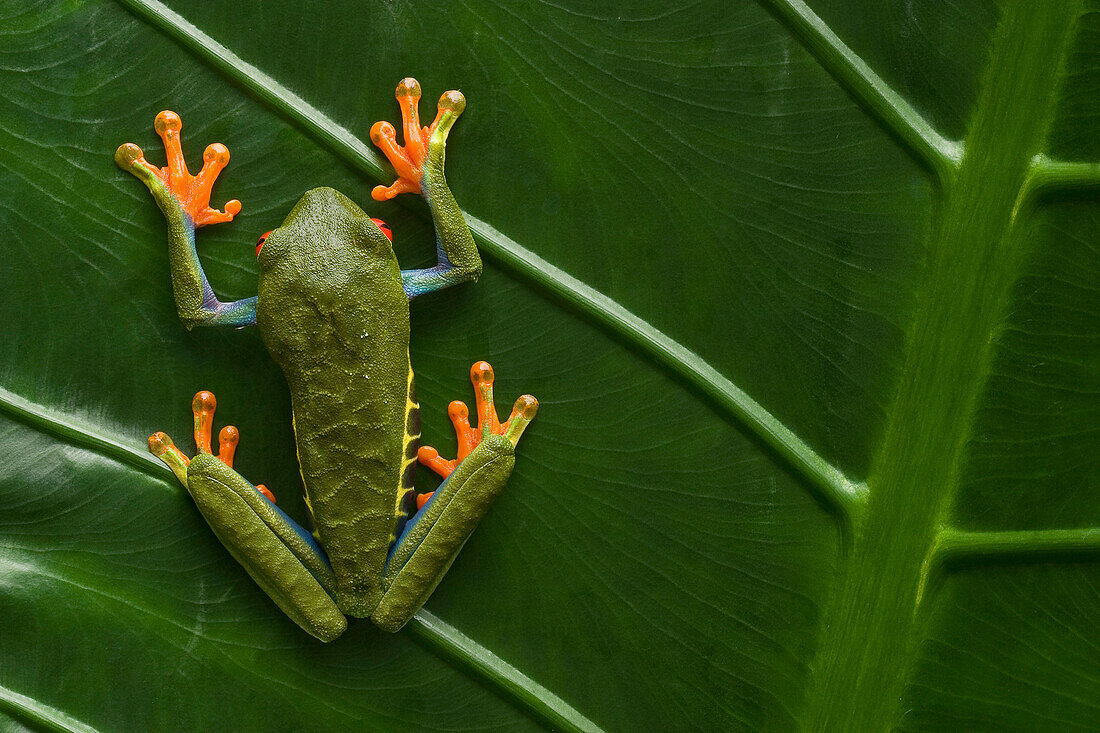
423, 145
175, 182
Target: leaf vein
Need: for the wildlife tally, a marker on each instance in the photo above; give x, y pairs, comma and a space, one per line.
888, 107
829, 483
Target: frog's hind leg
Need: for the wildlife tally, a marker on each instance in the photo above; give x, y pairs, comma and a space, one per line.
430, 541
203, 406
280, 555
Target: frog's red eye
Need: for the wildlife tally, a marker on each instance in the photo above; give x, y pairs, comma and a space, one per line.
385, 228
260, 242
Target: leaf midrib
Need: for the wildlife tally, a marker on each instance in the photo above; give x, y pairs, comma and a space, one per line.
875, 620
889, 108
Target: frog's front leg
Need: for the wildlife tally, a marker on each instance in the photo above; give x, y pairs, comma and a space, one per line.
421, 556
279, 554
185, 201
419, 166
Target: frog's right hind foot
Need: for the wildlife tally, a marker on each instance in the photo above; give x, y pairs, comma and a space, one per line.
434, 535
482, 378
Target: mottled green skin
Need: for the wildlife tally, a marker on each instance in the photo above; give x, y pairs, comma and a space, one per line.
420, 562
333, 310
287, 570
334, 316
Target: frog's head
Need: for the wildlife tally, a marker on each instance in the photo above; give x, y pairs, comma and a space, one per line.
325, 226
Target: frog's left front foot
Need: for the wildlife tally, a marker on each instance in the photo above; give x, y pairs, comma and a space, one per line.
423, 145
191, 193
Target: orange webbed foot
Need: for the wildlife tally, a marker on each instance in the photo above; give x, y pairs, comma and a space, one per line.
482, 377
192, 192
203, 406
409, 160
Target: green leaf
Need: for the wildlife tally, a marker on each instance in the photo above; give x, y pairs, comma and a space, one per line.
807, 293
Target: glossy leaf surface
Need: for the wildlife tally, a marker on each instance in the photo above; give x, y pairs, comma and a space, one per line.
807, 293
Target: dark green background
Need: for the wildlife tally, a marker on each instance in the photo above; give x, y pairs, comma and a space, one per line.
657, 563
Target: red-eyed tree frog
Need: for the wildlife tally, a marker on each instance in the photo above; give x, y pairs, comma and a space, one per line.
333, 309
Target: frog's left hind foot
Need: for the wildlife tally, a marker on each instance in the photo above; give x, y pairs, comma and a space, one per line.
280, 555
445, 519
203, 406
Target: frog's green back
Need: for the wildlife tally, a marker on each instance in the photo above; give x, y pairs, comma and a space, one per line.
335, 317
